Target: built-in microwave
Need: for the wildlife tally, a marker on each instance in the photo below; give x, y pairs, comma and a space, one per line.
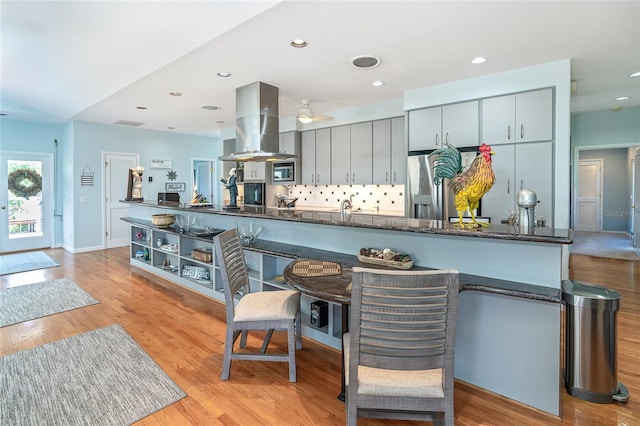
284, 172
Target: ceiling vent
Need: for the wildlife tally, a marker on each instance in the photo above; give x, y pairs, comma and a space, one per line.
365, 62
128, 123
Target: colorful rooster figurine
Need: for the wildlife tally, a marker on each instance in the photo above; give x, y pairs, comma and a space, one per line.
468, 185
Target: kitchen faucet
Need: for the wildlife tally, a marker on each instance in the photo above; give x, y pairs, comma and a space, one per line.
346, 204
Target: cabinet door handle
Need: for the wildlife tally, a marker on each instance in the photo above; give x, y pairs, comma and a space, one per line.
436, 139
346, 179
446, 138
318, 178
386, 176
394, 177
508, 186
313, 178
353, 177
509, 132
522, 131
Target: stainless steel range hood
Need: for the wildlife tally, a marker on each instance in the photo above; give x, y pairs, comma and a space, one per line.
257, 124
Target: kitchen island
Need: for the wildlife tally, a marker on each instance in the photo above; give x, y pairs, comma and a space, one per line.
508, 336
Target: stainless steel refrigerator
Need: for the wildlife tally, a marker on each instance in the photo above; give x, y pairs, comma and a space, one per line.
424, 198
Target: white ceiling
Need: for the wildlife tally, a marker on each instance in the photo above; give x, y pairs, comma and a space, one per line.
97, 60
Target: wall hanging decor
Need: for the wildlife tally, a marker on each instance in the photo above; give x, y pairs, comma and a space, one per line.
174, 187
172, 175
161, 164
86, 178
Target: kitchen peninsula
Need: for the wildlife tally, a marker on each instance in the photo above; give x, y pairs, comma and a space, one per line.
508, 335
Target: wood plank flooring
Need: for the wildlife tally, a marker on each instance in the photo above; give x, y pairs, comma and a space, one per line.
184, 333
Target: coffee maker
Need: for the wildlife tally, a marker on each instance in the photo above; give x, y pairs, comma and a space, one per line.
526, 200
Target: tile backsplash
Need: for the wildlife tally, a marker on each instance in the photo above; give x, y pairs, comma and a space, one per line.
389, 198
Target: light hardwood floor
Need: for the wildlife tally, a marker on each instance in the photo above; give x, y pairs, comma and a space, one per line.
184, 333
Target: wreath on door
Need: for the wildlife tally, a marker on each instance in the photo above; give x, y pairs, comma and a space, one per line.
25, 182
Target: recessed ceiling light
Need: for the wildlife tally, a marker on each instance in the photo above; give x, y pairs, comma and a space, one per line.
220, 121
211, 107
224, 74
635, 74
299, 43
478, 60
377, 83
171, 128
141, 107
622, 98
175, 93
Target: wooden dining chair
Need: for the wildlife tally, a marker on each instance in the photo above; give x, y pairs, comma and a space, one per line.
267, 311
399, 353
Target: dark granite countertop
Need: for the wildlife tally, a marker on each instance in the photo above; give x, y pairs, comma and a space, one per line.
376, 221
334, 288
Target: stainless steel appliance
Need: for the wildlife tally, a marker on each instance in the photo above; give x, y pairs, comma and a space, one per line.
254, 194
284, 172
526, 201
426, 200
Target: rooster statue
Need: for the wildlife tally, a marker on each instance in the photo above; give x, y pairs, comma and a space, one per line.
467, 185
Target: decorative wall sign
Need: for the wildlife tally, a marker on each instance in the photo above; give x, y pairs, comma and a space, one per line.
174, 187
161, 164
86, 178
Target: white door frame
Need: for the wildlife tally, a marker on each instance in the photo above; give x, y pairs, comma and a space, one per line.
635, 209
48, 188
575, 161
105, 188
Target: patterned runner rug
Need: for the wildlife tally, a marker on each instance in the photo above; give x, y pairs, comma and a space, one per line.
27, 302
21, 262
97, 378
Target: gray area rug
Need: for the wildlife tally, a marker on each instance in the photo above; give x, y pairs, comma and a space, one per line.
21, 262
613, 245
27, 302
97, 378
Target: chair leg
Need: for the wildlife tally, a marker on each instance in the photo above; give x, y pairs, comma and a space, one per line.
267, 339
298, 330
230, 338
243, 338
291, 335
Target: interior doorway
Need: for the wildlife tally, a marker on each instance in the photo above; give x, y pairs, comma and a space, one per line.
116, 175
589, 200
203, 180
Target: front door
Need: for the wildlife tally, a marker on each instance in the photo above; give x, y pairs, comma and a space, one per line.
26, 201
116, 180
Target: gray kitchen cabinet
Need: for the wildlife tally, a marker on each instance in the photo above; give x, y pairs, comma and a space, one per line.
457, 124
361, 154
521, 117
389, 152
316, 157
290, 143
256, 170
351, 154
520, 166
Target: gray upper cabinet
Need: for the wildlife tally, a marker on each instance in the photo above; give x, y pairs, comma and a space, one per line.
522, 117
290, 143
457, 124
389, 152
351, 154
315, 157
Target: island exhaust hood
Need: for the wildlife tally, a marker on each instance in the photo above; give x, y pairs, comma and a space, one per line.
257, 124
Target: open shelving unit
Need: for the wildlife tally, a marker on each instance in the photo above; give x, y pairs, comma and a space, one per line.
265, 272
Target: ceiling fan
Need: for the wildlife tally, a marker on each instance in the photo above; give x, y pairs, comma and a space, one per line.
306, 115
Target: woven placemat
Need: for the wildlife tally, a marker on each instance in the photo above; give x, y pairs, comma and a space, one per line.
316, 268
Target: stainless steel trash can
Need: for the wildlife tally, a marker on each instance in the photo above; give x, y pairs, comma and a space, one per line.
590, 342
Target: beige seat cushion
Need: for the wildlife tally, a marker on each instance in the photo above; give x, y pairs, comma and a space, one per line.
412, 383
268, 305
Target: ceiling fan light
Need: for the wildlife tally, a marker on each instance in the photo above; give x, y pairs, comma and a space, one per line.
305, 119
